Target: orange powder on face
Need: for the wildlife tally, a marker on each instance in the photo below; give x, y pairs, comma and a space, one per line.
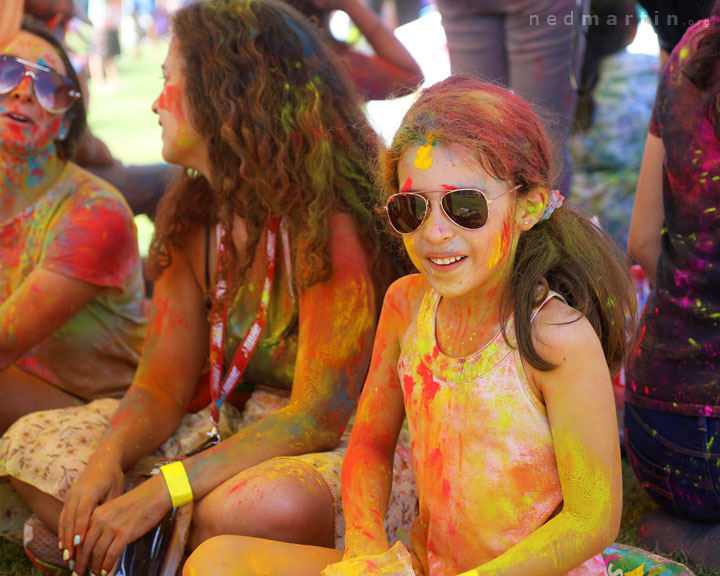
171, 101
501, 243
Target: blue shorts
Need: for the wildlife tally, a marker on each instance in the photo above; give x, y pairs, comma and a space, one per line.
676, 459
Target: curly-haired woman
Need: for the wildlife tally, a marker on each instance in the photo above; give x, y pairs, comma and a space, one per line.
267, 239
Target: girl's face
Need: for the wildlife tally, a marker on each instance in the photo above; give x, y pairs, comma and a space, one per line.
458, 262
24, 124
182, 145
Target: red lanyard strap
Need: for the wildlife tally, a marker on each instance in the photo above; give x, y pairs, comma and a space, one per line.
221, 388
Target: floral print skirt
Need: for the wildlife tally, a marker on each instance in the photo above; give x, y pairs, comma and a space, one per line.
49, 449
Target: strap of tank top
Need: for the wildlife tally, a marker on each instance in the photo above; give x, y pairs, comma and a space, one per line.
550, 295
208, 302
426, 315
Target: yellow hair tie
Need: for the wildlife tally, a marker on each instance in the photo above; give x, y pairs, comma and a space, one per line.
177, 483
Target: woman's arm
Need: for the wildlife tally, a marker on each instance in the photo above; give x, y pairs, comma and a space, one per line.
175, 351
648, 214
383, 41
10, 19
44, 302
581, 410
336, 326
368, 465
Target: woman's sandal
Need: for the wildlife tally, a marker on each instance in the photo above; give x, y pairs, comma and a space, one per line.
41, 547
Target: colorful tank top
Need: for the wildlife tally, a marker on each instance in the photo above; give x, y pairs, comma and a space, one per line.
482, 449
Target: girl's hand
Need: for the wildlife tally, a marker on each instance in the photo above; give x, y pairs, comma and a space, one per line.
118, 522
101, 481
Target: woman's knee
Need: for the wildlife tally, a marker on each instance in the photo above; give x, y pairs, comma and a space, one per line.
285, 501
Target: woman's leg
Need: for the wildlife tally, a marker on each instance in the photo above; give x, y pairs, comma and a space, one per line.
46, 507
23, 393
541, 50
475, 38
281, 499
243, 556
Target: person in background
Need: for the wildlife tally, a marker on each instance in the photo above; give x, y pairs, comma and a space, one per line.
72, 319
530, 46
672, 411
671, 18
391, 72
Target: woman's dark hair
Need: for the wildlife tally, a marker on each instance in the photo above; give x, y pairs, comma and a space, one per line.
285, 136
703, 63
76, 113
566, 253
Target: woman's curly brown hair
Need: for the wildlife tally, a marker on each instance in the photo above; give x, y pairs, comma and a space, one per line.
285, 136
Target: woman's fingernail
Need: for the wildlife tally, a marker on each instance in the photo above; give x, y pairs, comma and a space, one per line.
92, 574
66, 555
103, 572
72, 565
60, 546
75, 573
76, 540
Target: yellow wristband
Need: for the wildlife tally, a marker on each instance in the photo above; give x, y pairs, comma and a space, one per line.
177, 483
473, 572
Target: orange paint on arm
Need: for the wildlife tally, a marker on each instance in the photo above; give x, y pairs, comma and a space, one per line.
367, 468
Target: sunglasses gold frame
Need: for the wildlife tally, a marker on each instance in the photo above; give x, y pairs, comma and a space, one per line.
428, 206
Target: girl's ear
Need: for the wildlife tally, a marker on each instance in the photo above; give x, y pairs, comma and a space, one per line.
531, 208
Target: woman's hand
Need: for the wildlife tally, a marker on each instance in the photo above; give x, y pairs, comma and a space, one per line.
101, 481
120, 521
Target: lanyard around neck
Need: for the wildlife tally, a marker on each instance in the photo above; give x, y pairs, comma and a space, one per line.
221, 388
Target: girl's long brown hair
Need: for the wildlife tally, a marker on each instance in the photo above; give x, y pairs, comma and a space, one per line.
566, 253
285, 133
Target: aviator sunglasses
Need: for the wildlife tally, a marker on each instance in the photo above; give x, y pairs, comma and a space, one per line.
53, 91
465, 207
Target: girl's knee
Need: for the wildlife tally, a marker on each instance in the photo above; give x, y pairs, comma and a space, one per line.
217, 556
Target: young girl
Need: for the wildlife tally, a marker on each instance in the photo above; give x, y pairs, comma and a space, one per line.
499, 353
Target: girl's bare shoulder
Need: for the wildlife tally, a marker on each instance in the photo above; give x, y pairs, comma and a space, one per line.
404, 296
559, 330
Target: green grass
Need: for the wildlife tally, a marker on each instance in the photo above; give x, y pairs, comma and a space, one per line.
123, 119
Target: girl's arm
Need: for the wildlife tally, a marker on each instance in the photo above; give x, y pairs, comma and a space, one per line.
175, 351
581, 409
368, 465
648, 213
337, 321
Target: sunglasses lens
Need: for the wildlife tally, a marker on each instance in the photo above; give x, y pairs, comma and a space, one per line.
53, 91
11, 74
406, 212
467, 208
